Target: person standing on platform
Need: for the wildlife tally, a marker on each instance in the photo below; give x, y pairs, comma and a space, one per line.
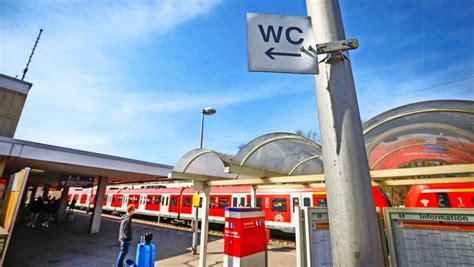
125, 234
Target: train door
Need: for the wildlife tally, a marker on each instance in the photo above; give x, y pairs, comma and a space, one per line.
240, 200
164, 207
83, 199
134, 200
174, 204
319, 200
296, 203
186, 204
153, 202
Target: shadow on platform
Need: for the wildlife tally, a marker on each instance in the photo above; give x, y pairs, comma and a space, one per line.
69, 244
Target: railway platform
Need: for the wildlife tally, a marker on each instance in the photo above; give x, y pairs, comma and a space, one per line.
69, 244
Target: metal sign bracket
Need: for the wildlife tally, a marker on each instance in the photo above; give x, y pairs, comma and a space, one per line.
332, 48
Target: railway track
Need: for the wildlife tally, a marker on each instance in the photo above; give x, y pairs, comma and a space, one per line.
276, 237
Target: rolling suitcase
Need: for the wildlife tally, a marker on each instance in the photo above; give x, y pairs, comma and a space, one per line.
145, 252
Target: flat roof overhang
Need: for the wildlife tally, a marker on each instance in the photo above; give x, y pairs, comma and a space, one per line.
53, 161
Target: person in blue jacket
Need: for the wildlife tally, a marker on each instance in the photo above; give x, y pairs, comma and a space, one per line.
125, 234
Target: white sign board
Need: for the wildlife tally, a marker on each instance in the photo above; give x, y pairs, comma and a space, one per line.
274, 42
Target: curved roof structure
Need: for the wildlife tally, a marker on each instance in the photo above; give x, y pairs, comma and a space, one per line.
283, 153
420, 134
205, 162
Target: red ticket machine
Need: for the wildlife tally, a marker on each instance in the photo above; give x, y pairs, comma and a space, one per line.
244, 237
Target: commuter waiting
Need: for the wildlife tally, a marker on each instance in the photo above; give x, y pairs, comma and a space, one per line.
35, 211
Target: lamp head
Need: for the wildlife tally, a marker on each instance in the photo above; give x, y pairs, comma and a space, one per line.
208, 111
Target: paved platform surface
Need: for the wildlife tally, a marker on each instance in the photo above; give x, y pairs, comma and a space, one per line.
68, 244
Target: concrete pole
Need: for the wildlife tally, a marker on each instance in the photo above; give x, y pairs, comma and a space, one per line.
196, 209
253, 198
94, 226
204, 227
63, 205
34, 189
46, 191
355, 238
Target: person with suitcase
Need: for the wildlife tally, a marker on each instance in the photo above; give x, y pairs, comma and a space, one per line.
125, 234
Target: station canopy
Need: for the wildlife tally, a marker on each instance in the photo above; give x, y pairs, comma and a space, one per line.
275, 154
421, 134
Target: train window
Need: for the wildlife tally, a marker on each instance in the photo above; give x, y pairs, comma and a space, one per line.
296, 203
259, 202
200, 202
223, 202
306, 202
322, 202
212, 203
234, 202
443, 200
279, 204
157, 200
120, 198
187, 202
163, 201
149, 200
174, 201
167, 198
242, 202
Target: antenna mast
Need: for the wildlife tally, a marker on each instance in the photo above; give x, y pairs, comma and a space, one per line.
31, 55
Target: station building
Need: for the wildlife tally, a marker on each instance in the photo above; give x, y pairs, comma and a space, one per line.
28, 165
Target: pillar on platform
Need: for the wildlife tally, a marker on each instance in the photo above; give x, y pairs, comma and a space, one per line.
94, 226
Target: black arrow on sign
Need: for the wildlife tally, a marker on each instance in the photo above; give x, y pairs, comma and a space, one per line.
271, 54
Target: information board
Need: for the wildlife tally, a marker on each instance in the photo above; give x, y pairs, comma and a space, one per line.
317, 238
75, 181
430, 237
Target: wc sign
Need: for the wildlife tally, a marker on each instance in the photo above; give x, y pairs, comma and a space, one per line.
274, 42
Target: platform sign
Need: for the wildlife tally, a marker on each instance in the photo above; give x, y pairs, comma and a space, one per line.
274, 42
430, 237
75, 181
317, 238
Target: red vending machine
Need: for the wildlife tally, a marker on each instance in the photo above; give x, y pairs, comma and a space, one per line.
244, 237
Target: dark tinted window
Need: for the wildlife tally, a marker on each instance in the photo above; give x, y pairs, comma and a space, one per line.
174, 201
149, 200
200, 202
223, 202
187, 202
259, 202
242, 202
212, 202
234, 202
306, 202
296, 203
157, 200
322, 202
443, 200
279, 204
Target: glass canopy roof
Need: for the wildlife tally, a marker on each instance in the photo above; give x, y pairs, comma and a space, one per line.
278, 153
421, 134
284, 153
205, 162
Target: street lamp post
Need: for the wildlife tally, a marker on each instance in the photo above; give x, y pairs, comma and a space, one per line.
205, 112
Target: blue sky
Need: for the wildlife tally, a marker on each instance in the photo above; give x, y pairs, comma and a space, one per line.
129, 78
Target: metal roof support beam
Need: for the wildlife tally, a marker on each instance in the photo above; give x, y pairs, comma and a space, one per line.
422, 171
444, 180
251, 171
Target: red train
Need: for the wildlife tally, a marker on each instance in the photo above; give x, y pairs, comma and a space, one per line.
278, 205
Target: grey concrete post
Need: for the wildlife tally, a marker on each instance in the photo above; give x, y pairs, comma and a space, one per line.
63, 205
34, 189
253, 197
355, 238
46, 190
97, 212
204, 227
